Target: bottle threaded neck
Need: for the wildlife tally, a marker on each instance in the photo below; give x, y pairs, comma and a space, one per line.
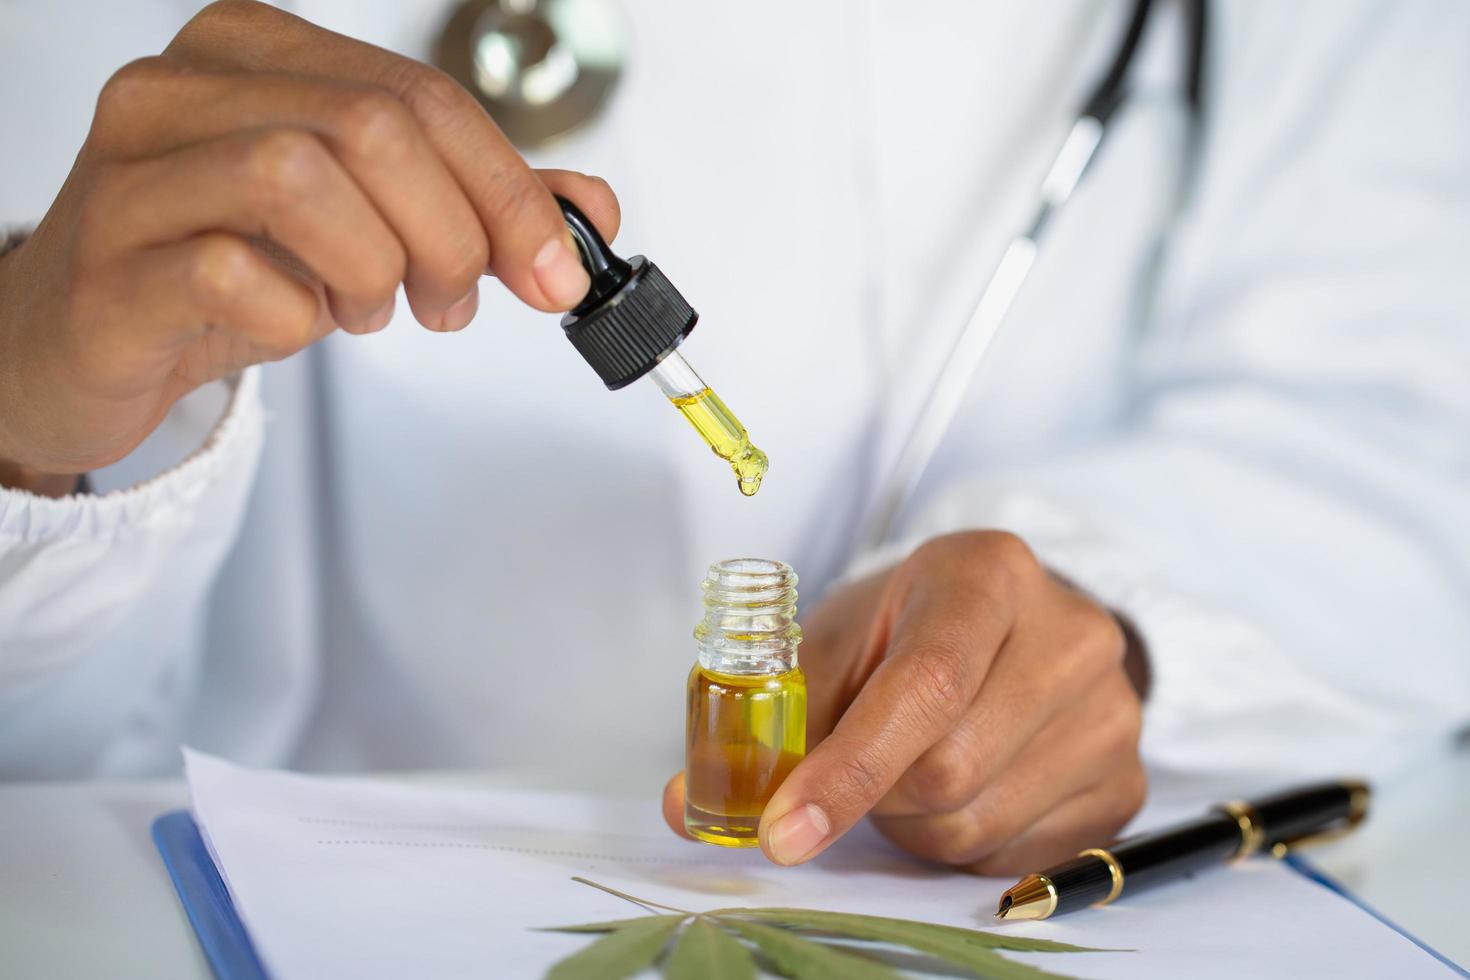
749, 623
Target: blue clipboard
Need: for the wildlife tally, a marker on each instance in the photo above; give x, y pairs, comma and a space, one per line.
1313, 873
232, 956
205, 899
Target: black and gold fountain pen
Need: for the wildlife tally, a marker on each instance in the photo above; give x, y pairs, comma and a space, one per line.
1098, 876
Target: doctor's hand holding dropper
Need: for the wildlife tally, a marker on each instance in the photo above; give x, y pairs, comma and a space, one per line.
260, 184
265, 182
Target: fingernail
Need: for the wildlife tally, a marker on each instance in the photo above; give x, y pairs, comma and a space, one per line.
797, 834
380, 318
458, 316
559, 273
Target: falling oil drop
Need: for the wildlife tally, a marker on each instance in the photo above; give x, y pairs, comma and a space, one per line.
724, 434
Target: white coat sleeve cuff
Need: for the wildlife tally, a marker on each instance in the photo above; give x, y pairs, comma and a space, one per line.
1223, 699
73, 570
158, 500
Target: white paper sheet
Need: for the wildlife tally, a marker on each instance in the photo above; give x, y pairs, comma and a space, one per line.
356, 878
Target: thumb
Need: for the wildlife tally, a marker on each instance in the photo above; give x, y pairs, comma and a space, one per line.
674, 805
793, 829
909, 702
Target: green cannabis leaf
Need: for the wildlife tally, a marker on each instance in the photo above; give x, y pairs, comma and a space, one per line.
707, 952
725, 944
622, 952
793, 956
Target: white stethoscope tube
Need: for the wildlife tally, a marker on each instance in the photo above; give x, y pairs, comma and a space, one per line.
949, 387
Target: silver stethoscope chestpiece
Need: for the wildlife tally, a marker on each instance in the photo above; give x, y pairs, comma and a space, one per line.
541, 68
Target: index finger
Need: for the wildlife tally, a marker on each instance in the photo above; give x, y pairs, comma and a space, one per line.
531, 250
940, 650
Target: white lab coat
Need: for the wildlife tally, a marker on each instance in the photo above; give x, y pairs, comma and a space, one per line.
1249, 434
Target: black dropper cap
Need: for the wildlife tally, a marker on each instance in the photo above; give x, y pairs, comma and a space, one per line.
631, 317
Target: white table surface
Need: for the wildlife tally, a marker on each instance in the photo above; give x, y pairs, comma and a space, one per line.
84, 894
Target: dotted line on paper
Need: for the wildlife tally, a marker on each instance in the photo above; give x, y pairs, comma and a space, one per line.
473, 828
538, 851
390, 825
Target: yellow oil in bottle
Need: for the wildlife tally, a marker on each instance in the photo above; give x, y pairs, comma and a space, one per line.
746, 733
719, 427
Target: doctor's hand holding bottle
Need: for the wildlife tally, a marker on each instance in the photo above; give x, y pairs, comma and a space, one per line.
985, 714
260, 184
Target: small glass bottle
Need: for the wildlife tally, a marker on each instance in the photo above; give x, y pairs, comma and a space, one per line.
747, 700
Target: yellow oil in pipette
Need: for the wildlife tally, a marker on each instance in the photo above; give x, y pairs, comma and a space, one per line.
719, 427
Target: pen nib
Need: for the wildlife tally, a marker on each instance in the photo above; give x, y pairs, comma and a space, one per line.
1033, 897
